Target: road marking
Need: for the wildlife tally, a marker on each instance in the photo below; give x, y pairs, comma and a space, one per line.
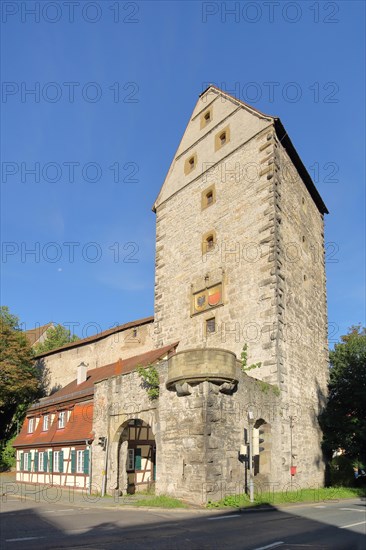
273, 545
56, 511
352, 524
353, 510
225, 517
23, 538
319, 506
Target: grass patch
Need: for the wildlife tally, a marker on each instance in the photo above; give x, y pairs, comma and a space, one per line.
327, 494
160, 501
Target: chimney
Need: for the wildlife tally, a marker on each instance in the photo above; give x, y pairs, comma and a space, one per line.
82, 371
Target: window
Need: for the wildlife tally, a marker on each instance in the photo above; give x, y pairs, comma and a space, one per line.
134, 333
40, 461
31, 425
80, 462
206, 118
210, 325
208, 242
46, 419
222, 138
130, 459
208, 197
62, 419
190, 164
56, 461
27, 462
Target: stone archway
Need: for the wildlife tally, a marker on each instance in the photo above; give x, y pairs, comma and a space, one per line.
134, 457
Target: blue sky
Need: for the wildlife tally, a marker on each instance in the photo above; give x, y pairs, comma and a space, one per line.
115, 84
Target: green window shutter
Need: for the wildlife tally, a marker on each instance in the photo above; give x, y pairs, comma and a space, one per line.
50, 461
73, 462
29, 461
137, 459
86, 461
45, 460
36, 461
21, 461
61, 462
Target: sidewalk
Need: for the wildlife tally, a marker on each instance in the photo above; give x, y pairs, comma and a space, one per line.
10, 488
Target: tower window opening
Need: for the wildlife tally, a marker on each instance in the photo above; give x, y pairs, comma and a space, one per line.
210, 325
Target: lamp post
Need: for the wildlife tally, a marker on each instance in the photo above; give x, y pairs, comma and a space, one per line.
250, 457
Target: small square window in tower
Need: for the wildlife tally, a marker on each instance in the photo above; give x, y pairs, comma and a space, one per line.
206, 118
190, 164
208, 242
210, 325
222, 138
208, 197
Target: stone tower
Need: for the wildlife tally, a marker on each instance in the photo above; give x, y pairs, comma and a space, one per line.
240, 260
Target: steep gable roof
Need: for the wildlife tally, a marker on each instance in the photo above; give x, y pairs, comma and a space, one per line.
34, 334
206, 98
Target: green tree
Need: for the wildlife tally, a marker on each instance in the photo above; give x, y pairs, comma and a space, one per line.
344, 418
20, 382
56, 337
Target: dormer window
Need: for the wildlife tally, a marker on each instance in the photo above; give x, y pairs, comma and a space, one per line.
31, 425
208, 197
46, 421
61, 419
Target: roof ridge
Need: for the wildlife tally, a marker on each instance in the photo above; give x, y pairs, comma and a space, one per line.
99, 336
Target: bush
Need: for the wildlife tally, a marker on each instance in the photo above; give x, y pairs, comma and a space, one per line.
342, 471
7, 456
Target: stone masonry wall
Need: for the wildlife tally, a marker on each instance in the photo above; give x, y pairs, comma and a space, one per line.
60, 367
198, 436
241, 259
303, 339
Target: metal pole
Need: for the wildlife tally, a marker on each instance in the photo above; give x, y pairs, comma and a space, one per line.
251, 476
104, 482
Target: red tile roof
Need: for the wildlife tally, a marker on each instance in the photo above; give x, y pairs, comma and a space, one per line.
98, 336
75, 391
77, 429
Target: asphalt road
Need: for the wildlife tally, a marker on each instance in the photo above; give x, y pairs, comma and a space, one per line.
28, 525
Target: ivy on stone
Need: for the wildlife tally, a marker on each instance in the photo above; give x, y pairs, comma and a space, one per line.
150, 378
244, 360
